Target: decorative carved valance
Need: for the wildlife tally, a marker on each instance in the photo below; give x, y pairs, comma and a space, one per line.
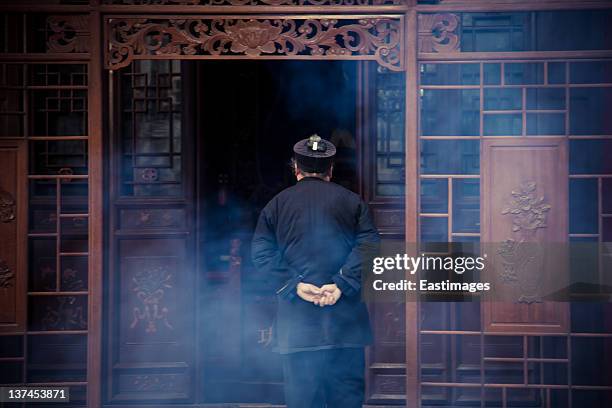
438, 33
324, 37
69, 33
153, 2
256, 2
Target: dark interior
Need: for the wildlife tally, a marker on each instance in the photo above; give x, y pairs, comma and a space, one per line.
249, 116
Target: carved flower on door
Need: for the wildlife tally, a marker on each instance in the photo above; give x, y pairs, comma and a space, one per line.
6, 275
527, 209
522, 256
253, 37
7, 206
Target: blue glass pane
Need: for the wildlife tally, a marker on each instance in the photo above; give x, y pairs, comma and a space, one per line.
466, 205
450, 156
494, 31
434, 229
434, 196
390, 189
591, 72
606, 196
503, 124
591, 156
556, 72
606, 235
583, 257
389, 99
503, 99
492, 74
584, 239
524, 73
439, 119
583, 206
390, 135
545, 98
462, 238
590, 111
573, 30
536, 31
545, 123
390, 169
450, 74
390, 132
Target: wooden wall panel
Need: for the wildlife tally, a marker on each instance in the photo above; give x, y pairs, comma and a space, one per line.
522, 179
386, 358
13, 235
154, 353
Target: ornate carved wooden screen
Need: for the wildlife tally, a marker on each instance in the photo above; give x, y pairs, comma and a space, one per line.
497, 117
44, 211
537, 170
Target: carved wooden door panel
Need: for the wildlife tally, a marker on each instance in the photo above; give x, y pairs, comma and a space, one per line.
151, 333
524, 209
13, 205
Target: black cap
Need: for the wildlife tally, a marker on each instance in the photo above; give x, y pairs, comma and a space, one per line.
314, 155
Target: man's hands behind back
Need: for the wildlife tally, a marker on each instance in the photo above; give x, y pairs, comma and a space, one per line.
308, 292
326, 295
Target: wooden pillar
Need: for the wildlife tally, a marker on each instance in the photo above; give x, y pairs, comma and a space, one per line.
412, 200
96, 204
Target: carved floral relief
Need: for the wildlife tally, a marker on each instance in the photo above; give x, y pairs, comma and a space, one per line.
7, 206
257, 2
7, 276
150, 286
522, 256
66, 313
69, 33
334, 38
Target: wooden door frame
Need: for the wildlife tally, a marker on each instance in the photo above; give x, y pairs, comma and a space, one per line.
101, 58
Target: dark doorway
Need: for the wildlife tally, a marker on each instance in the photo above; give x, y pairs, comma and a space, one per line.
249, 116
196, 150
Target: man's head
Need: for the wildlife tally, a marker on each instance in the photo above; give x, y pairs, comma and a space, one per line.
313, 157
301, 173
